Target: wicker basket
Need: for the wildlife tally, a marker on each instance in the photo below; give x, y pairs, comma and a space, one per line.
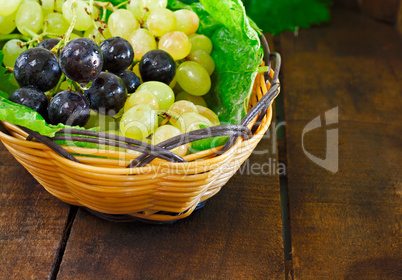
160, 187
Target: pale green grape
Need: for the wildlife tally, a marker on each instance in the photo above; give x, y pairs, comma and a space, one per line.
196, 100
142, 42
162, 91
141, 8
193, 78
204, 59
94, 34
142, 97
104, 122
179, 108
11, 50
52, 6
7, 23
208, 113
84, 20
175, 43
136, 8
8, 7
200, 42
161, 21
122, 23
139, 122
187, 21
192, 121
166, 132
56, 23
29, 16
74, 36
152, 5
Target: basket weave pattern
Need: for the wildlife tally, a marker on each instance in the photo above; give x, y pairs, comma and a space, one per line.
152, 192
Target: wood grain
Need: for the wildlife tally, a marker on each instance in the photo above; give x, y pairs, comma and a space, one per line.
237, 235
31, 223
345, 225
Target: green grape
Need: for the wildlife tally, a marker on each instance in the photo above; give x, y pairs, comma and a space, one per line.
74, 36
29, 16
200, 42
52, 6
8, 7
11, 50
166, 132
137, 9
122, 23
209, 114
192, 121
152, 5
179, 108
141, 8
142, 97
161, 21
94, 34
196, 100
7, 23
139, 122
162, 91
175, 43
204, 59
142, 42
104, 122
56, 23
193, 78
84, 20
187, 21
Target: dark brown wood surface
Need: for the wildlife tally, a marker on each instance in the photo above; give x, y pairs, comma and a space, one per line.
32, 223
345, 225
237, 235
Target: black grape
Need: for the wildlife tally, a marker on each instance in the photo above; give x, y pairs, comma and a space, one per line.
69, 107
48, 44
32, 98
81, 60
118, 54
157, 65
107, 94
130, 80
37, 67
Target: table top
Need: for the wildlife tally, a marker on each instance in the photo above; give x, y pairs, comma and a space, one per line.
334, 214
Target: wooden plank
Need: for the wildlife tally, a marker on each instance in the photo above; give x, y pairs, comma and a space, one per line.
237, 235
345, 225
31, 223
386, 10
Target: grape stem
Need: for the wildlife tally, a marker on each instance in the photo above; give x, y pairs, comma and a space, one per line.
14, 36
106, 5
56, 89
69, 31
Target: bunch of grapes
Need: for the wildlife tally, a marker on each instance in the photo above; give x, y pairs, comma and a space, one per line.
139, 65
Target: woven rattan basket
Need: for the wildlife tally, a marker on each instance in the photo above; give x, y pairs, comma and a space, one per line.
155, 186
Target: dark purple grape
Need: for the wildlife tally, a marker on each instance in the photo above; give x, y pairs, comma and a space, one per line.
81, 60
37, 67
107, 94
32, 98
130, 80
157, 65
118, 54
48, 44
69, 107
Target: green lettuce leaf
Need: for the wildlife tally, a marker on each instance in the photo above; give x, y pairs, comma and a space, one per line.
21, 115
237, 54
6, 86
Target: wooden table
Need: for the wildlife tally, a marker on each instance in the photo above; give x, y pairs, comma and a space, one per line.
339, 224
